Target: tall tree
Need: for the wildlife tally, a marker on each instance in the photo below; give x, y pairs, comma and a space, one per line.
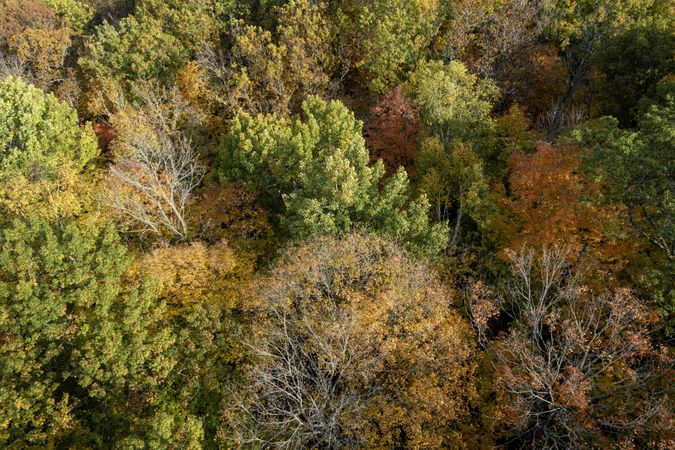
82, 353
156, 167
272, 71
359, 349
314, 170
636, 168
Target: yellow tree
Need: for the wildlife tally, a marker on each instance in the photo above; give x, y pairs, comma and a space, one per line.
358, 348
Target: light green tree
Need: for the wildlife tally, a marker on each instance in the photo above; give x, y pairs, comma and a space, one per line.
454, 180
454, 103
43, 152
315, 171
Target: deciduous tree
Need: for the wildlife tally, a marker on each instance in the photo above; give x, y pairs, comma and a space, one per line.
359, 349
43, 151
385, 38
577, 366
314, 170
83, 354
156, 167
454, 104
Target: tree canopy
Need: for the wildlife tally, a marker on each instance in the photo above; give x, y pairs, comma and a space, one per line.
315, 169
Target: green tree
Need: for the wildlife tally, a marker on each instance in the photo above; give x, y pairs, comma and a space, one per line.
152, 44
315, 171
637, 168
455, 182
43, 151
633, 62
384, 38
454, 103
74, 13
579, 29
82, 353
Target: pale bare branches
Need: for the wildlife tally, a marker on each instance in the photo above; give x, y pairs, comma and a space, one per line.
360, 347
156, 166
571, 355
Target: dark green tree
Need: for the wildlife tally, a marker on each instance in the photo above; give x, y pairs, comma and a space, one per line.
637, 168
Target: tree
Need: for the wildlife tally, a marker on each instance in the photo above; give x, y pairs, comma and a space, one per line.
152, 44
549, 199
74, 13
35, 41
577, 367
202, 286
385, 38
490, 36
359, 348
156, 167
83, 354
579, 29
315, 172
272, 72
455, 182
392, 131
454, 104
636, 167
43, 150
633, 62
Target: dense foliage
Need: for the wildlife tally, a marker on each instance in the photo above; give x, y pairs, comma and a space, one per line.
337, 224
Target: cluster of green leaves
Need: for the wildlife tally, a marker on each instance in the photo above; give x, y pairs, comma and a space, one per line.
153, 43
636, 168
315, 171
76, 341
387, 37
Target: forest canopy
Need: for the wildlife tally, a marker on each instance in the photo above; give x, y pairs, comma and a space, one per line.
335, 224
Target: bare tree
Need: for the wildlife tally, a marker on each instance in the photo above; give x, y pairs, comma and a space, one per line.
576, 364
305, 393
156, 167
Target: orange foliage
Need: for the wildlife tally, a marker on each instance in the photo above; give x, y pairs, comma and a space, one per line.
549, 201
392, 131
541, 80
230, 211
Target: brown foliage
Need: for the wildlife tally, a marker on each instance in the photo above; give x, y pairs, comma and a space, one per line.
19, 15
231, 211
540, 79
577, 364
392, 131
34, 45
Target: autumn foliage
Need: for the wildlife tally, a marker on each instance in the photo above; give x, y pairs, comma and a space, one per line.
337, 224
